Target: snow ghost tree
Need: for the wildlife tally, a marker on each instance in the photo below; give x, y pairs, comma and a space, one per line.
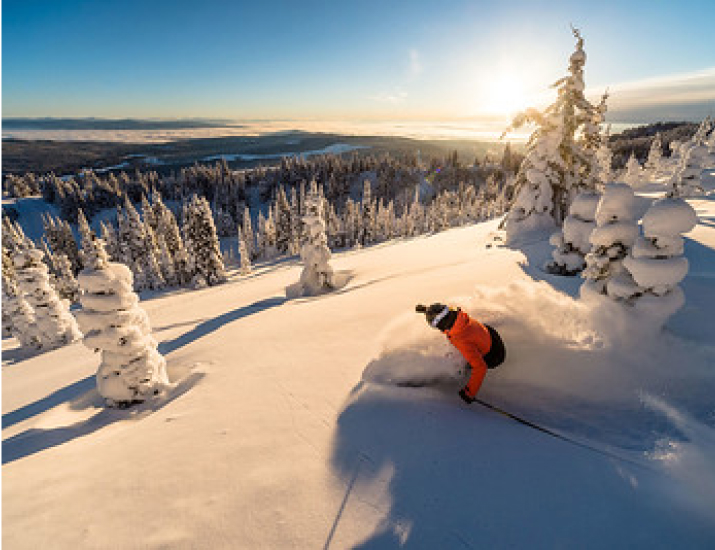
573, 243
557, 165
616, 231
633, 174
686, 180
131, 368
655, 156
202, 243
317, 274
55, 326
540, 171
245, 256
656, 264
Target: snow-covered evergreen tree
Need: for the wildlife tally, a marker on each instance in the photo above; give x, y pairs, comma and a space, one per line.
655, 156
540, 172
573, 243
202, 243
138, 249
65, 282
557, 166
9, 290
687, 180
154, 277
616, 231
283, 223
109, 236
60, 239
267, 236
317, 275
367, 235
131, 368
245, 256
249, 236
54, 323
168, 228
656, 264
85, 236
296, 222
605, 159
633, 173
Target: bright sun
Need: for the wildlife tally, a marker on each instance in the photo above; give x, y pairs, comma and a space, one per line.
504, 95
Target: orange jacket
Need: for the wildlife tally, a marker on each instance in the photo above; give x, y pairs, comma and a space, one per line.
473, 341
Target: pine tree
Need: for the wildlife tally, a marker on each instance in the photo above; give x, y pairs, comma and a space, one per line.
687, 179
60, 239
367, 235
633, 175
283, 223
166, 262
155, 278
85, 236
556, 166
248, 235
655, 156
169, 229
573, 243
317, 275
656, 263
65, 282
9, 290
244, 253
616, 231
202, 243
109, 236
55, 325
131, 369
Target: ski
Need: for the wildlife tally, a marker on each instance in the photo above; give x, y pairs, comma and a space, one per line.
557, 435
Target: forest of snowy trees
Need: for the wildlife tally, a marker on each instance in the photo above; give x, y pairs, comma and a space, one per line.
167, 229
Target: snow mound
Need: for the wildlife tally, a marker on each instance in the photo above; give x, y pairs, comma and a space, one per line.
669, 216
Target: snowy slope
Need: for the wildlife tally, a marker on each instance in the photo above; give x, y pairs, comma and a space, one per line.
273, 439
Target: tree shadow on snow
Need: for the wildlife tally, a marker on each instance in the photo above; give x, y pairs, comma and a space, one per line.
35, 440
211, 325
68, 393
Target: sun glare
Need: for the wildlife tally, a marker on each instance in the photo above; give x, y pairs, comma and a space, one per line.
504, 95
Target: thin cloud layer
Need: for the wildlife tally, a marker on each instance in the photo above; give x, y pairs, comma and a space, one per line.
689, 96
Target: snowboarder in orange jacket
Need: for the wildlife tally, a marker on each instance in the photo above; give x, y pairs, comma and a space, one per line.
480, 344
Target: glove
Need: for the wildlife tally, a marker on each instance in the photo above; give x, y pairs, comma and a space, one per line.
468, 399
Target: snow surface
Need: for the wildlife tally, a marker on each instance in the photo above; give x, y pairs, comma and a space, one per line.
284, 430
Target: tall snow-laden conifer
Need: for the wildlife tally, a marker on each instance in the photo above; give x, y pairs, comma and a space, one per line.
367, 235
616, 231
655, 156
317, 275
656, 263
202, 243
131, 368
633, 174
248, 234
245, 256
55, 325
283, 223
557, 165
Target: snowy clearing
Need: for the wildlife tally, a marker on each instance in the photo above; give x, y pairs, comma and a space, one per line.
284, 429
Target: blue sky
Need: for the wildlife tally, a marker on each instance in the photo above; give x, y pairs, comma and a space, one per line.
365, 59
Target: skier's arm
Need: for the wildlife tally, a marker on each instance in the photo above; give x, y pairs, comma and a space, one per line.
479, 371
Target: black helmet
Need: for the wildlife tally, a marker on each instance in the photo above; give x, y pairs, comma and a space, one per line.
439, 316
